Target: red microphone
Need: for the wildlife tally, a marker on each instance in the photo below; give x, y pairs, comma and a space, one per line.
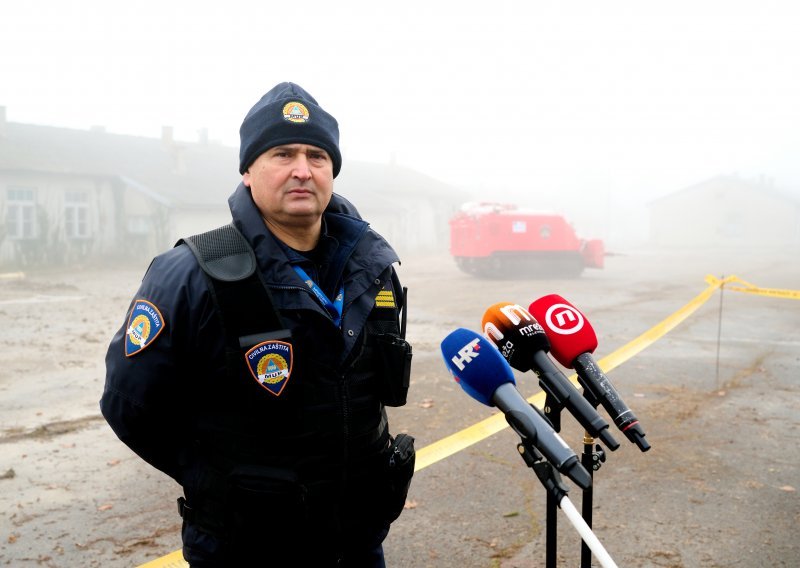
572, 341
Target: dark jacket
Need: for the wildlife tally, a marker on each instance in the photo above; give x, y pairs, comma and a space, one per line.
311, 456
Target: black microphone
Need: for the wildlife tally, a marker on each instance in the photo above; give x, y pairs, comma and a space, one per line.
523, 343
485, 375
573, 341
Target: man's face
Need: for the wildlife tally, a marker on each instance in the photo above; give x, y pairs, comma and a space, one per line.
291, 184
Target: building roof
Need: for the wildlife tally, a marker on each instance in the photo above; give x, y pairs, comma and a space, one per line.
729, 183
192, 174
182, 173
372, 186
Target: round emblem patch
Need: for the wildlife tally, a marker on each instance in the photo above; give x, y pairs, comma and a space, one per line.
272, 369
295, 112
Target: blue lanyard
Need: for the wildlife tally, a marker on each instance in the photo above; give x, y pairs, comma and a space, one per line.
334, 308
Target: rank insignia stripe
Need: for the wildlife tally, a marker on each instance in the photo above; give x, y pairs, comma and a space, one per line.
385, 299
270, 364
145, 324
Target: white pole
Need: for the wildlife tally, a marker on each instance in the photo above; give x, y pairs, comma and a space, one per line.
586, 533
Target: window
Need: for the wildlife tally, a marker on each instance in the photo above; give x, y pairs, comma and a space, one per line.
139, 225
76, 215
21, 213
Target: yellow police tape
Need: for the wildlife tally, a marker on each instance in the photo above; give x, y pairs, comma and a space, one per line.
171, 560
462, 439
753, 289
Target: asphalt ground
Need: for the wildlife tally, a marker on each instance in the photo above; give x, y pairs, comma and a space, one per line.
717, 397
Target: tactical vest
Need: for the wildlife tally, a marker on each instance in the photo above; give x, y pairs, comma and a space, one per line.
322, 416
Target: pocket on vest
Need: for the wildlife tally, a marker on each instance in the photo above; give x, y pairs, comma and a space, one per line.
400, 458
266, 500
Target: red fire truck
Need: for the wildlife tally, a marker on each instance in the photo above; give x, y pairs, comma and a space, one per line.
498, 240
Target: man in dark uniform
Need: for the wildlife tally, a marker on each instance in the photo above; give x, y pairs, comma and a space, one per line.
261, 388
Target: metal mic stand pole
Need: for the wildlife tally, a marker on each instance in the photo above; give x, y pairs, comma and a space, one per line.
591, 460
555, 489
551, 559
586, 504
552, 411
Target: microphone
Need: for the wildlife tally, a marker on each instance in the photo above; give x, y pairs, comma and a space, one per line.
484, 375
524, 345
573, 341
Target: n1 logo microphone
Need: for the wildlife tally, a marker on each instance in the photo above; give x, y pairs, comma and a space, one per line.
524, 345
573, 341
566, 327
485, 375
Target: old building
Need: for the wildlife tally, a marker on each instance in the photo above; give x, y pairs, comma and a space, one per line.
68, 195
726, 211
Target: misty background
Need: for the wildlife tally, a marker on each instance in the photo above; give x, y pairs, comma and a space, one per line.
589, 109
114, 114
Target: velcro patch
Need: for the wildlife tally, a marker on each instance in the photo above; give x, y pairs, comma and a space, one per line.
144, 325
270, 363
385, 299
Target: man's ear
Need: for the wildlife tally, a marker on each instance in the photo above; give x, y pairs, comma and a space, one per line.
246, 178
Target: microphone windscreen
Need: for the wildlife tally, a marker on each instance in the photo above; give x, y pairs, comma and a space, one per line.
569, 331
515, 332
476, 364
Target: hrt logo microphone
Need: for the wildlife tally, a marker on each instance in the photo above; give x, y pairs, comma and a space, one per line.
466, 354
563, 319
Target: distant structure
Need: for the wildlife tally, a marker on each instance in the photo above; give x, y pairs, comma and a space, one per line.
71, 195
726, 211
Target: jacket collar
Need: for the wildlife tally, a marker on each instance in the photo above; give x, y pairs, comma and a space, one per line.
366, 251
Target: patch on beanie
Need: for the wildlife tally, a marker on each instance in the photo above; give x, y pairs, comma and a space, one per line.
295, 112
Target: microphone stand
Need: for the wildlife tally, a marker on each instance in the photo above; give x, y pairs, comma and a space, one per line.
552, 410
557, 493
591, 460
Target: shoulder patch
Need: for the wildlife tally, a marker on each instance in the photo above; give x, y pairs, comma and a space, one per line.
144, 326
385, 299
270, 363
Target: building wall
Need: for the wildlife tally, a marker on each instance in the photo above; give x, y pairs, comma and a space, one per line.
50, 219
407, 228
188, 222
724, 213
122, 220
144, 225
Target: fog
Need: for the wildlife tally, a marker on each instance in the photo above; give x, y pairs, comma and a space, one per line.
592, 109
589, 109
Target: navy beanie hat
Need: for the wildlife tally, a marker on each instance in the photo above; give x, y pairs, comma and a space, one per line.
287, 114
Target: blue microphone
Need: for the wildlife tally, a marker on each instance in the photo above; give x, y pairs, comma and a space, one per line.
484, 374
